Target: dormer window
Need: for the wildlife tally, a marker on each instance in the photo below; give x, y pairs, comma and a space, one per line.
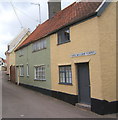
64, 36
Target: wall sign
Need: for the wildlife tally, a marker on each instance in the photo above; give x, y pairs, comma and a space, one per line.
84, 54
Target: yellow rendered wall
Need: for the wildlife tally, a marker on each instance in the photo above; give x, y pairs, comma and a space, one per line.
107, 35
84, 38
96, 34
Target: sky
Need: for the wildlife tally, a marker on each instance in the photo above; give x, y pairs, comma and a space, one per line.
27, 17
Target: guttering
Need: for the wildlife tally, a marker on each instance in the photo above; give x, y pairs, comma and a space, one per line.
98, 13
102, 7
23, 46
77, 21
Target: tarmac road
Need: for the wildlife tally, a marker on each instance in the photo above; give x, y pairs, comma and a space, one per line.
20, 102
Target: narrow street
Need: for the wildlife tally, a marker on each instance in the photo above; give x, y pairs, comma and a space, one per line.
19, 102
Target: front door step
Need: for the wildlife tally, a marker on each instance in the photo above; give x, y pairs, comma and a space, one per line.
84, 106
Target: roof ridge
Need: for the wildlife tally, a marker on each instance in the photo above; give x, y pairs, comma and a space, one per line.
77, 11
49, 20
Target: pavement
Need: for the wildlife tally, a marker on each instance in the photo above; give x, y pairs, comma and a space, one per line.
20, 102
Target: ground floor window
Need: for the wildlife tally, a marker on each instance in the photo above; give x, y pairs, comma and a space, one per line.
27, 70
65, 74
21, 70
39, 72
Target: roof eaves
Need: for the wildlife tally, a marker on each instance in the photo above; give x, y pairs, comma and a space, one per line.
23, 46
69, 24
77, 21
102, 7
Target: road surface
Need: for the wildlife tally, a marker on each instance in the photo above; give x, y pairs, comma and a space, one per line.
20, 102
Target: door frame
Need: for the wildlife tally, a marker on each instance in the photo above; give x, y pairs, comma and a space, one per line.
78, 85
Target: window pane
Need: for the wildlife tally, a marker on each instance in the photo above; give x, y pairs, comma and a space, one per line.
21, 70
40, 72
65, 75
44, 43
63, 36
41, 44
70, 75
33, 48
59, 38
27, 70
67, 35
38, 45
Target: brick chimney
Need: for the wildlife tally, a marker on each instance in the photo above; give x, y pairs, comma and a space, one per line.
53, 7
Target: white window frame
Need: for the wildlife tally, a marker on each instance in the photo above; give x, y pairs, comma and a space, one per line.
39, 45
27, 70
41, 75
21, 70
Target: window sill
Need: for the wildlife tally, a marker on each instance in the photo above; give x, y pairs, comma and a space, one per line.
21, 75
63, 42
38, 80
65, 83
38, 50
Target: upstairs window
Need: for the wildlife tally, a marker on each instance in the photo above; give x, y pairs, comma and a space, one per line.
64, 36
39, 45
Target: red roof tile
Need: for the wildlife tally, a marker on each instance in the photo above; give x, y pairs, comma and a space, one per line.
74, 12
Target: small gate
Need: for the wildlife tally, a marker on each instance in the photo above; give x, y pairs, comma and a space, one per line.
12, 74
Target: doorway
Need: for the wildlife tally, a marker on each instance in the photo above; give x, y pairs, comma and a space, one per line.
12, 74
83, 83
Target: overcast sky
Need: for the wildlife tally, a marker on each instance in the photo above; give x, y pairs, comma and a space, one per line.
28, 15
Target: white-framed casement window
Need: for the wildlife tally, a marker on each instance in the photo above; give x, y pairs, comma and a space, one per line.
21, 70
39, 45
39, 73
27, 70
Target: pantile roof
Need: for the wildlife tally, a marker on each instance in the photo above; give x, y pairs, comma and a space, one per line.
75, 12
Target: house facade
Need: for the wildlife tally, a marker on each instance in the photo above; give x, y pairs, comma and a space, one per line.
12, 46
77, 62
32, 61
83, 68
